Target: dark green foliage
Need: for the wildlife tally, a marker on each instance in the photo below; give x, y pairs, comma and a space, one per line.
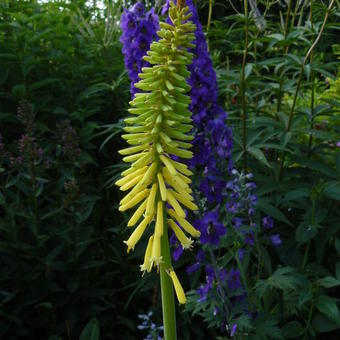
291, 149
61, 255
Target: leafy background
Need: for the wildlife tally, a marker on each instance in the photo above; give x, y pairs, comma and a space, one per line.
63, 268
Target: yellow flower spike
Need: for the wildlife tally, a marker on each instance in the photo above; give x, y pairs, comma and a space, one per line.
137, 234
186, 242
162, 187
184, 224
178, 287
147, 264
160, 219
136, 216
150, 205
157, 131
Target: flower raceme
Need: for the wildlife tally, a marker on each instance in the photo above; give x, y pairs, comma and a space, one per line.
157, 131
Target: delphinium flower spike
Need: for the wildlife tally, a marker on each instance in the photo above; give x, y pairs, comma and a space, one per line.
158, 185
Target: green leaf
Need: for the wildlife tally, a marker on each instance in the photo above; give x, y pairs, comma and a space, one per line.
258, 154
91, 330
282, 278
327, 306
39, 84
247, 70
337, 270
328, 282
19, 91
332, 190
292, 330
323, 324
306, 232
337, 163
272, 211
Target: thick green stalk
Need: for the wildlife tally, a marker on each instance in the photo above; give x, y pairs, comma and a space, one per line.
167, 291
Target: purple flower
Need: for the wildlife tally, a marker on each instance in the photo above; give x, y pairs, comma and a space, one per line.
193, 268
178, 249
276, 240
249, 238
232, 206
138, 31
211, 229
233, 329
240, 254
234, 279
267, 222
200, 257
237, 222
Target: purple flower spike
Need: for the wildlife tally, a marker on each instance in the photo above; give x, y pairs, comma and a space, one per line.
138, 31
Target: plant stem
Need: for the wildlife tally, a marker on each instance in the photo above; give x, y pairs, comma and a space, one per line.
285, 50
310, 141
291, 113
209, 20
243, 90
167, 292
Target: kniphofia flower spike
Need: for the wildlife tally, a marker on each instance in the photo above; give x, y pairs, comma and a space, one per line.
158, 184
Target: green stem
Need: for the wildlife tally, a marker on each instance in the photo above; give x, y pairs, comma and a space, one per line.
209, 20
168, 302
310, 141
243, 90
285, 51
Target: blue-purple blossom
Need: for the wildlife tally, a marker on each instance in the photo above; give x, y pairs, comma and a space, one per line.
200, 257
276, 240
178, 249
204, 289
234, 279
233, 329
267, 222
138, 30
211, 229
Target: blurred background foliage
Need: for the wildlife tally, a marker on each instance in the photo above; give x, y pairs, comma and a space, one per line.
63, 90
